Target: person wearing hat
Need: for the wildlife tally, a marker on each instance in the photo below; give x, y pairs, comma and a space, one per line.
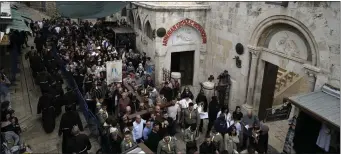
166, 146
190, 116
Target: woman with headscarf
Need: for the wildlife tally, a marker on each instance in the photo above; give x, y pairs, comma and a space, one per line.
187, 93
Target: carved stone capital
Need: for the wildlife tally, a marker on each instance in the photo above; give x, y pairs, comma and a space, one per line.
311, 70
254, 50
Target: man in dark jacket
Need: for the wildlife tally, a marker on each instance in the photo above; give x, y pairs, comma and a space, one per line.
212, 113
167, 92
69, 119
79, 143
220, 125
47, 109
39, 42
207, 147
154, 138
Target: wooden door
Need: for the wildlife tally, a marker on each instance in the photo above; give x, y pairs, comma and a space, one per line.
268, 89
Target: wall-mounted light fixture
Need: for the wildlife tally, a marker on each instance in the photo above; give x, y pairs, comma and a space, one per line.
238, 62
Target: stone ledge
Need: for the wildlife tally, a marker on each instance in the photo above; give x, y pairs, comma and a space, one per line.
154, 6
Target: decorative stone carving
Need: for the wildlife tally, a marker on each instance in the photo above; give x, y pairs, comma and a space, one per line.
255, 51
185, 35
287, 46
181, 24
288, 43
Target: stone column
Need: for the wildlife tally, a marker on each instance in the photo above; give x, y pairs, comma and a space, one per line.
311, 72
252, 77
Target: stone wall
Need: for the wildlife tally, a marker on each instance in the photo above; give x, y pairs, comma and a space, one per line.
51, 9
229, 23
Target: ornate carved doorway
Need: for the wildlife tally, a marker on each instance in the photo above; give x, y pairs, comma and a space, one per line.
286, 46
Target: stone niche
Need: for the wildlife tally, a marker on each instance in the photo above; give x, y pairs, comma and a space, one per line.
289, 43
184, 36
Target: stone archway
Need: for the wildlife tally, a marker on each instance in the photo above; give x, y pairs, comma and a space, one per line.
285, 42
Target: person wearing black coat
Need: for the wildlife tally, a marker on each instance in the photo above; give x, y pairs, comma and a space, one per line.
69, 119
46, 108
213, 110
207, 147
154, 138
78, 143
167, 92
202, 100
39, 42
220, 125
187, 93
115, 143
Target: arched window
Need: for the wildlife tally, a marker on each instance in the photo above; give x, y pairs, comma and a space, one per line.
131, 18
124, 12
138, 22
148, 30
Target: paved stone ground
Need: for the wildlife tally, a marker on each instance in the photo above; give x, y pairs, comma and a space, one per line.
25, 96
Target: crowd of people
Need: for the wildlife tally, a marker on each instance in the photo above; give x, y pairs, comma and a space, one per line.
132, 111
11, 141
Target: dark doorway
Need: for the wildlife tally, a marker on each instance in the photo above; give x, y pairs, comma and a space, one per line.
268, 89
183, 62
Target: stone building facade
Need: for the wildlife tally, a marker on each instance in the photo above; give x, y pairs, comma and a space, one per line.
303, 37
48, 7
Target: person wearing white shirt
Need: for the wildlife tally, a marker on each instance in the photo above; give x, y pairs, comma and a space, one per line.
228, 116
138, 129
185, 102
174, 110
57, 29
40, 24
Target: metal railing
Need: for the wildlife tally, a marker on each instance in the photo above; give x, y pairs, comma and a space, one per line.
90, 117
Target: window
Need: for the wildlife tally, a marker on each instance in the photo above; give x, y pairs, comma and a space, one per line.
148, 30
138, 22
131, 18
124, 12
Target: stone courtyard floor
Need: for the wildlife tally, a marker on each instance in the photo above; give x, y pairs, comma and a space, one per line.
25, 95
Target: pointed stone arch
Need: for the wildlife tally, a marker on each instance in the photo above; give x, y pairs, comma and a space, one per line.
148, 30
138, 23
